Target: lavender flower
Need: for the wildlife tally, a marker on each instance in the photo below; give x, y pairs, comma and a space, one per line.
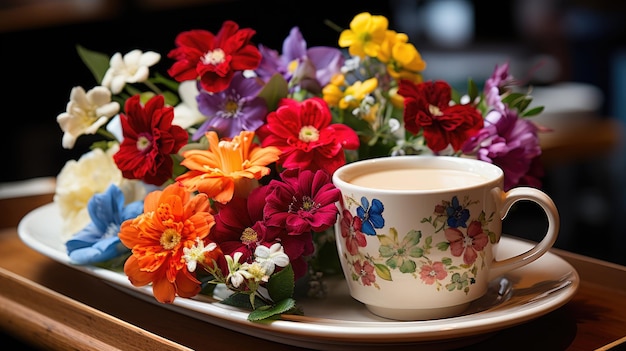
235, 109
312, 68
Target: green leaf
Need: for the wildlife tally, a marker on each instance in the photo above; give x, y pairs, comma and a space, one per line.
98, 63
274, 90
382, 271
281, 284
472, 89
533, 111
240, 300
266, 312
413, 237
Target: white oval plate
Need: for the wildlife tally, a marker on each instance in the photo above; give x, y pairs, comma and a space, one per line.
338, 321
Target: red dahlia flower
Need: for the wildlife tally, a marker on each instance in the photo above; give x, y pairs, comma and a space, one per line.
302, 131
149, 140
214, 58
427, 106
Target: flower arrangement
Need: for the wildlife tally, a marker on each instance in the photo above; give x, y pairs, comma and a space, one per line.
220, 172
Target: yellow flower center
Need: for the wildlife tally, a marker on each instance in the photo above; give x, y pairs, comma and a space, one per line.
249, 236
309, 134
170, 239
214, 57
434, 110
143, 143
231, 107
293, 65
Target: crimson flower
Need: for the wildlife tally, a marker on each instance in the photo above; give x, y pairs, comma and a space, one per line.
351, 232
149, 140
302, 201
304, 134
467, 245
214, 58
239, 227
427, 106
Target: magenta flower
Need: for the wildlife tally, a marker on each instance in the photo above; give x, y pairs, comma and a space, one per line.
351, 232
303, 201
235, 109
431, 273
239, 227
312, 68
510, 143
467, 245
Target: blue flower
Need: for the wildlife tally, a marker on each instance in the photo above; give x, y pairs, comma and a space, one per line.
457, 215
98, 241
372, 216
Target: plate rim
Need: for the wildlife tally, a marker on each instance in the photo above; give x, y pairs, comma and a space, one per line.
323, 332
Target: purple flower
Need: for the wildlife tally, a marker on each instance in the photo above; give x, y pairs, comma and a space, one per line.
310, 68
500, 80
508, 142
235, 109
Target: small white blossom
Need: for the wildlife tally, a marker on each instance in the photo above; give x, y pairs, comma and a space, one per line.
186, 113
269, 257
193, 254
86, 112
132, 68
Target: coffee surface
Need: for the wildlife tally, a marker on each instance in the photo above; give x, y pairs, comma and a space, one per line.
417, 179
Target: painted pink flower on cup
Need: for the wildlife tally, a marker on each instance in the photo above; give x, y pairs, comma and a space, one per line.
430, 273
468, 244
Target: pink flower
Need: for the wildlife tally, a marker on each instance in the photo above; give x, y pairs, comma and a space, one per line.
431, 273
467, 245
365, 271
302, 201
351, 232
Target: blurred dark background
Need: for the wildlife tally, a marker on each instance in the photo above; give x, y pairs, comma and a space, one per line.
572, 52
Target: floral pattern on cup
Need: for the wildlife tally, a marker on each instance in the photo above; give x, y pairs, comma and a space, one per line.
466, 238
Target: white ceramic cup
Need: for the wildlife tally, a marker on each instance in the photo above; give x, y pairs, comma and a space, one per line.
417, 235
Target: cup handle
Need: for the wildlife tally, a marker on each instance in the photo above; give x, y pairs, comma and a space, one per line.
545, 202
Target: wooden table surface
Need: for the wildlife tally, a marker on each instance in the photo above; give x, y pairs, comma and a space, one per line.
51, 306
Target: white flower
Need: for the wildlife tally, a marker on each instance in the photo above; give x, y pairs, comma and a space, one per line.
79, 180
186, 113
86, 113
195, 253
269, 257
132, 68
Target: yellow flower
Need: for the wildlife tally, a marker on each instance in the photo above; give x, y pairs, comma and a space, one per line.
333, 93
365, 35
355, 93
401, 57
228, 167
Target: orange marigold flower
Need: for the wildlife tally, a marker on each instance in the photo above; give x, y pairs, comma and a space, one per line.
229, 167
172, 220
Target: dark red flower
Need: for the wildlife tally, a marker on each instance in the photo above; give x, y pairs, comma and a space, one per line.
427, 107
239, 227
302, 201
306, 137
149, 140
214, 58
